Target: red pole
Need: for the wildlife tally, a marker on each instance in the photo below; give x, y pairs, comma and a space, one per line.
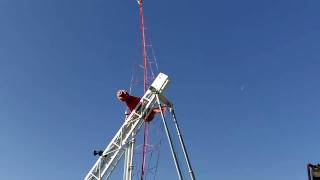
144, 50
145, 85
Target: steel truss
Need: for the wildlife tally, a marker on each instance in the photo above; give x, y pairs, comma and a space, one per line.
123, 142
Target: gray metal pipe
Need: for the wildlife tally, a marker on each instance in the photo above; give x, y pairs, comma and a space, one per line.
170, 141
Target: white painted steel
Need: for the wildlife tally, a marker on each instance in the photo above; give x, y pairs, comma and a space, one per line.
128, 160
120, 142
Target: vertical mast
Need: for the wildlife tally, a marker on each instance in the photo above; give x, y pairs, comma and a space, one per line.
128, 167
145, 83
144, 50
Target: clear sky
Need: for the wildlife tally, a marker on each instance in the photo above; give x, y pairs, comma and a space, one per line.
245, 83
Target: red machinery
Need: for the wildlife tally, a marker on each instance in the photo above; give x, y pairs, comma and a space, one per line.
132, 101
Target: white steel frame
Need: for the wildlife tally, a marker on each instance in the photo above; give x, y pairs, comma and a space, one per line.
124, 142
121, 141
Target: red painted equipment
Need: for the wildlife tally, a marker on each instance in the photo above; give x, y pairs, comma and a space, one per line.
132, 101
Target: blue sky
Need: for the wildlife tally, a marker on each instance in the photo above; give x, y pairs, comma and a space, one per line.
245, 83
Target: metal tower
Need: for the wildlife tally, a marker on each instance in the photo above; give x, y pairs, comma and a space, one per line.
122, 141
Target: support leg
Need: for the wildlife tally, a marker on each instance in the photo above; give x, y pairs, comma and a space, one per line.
169, 139
128, 162
182, 144
125, 168
131, 158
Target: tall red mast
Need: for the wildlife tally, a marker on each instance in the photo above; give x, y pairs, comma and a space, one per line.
145, 84
144, 50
